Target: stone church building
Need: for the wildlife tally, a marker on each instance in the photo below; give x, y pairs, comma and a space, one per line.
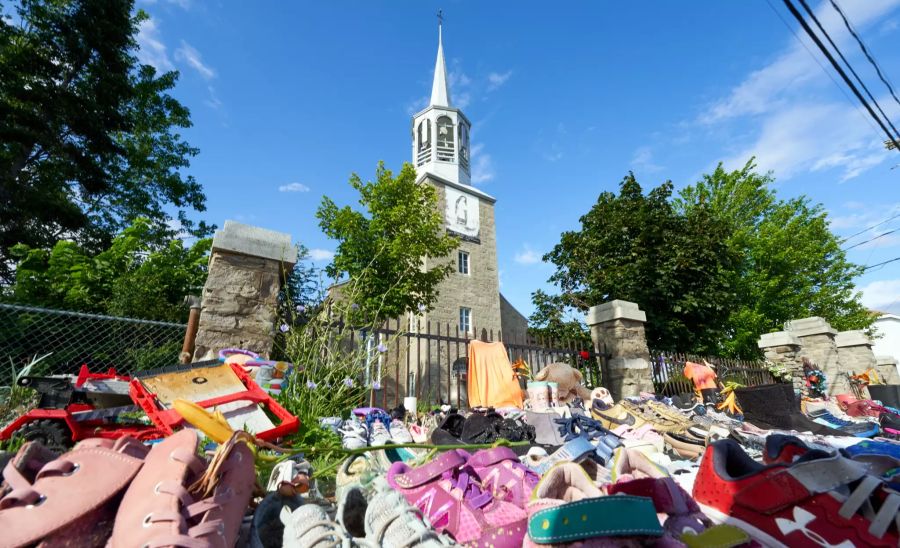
470, 298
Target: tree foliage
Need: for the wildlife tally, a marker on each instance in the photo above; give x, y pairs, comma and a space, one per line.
89, 139
791, 264
137, 276
383, 249
637, 247
556, 319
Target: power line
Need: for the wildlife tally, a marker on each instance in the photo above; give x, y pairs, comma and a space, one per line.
865, 50
849, 66
799, 17
865, 268
821, 66
872, 239
863, 231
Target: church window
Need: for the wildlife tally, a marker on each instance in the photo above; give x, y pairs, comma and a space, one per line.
445, 139
465, 319
464, 146
463, 262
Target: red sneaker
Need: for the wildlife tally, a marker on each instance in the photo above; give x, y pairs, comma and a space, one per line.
819, 500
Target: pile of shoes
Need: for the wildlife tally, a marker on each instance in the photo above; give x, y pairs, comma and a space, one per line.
120, 493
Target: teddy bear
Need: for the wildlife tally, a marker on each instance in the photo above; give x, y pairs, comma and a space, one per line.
567, 378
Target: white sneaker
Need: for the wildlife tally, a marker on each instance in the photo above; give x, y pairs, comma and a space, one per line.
379, 434
310, 527
354, 434
400, 433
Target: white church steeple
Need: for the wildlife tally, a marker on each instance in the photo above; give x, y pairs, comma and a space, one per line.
440, 133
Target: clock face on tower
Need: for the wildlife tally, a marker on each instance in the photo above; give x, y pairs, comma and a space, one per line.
461, 215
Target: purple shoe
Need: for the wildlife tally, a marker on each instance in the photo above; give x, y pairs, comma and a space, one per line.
503, 474
448, 492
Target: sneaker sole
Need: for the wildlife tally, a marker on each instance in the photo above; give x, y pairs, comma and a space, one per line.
758, 534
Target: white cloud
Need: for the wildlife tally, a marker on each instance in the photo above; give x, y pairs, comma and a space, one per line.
213, 102
642, 160
527, 256
769, 87
151, 50
417, 105
874, 213
497, 79
188, 54
813, 137
482, 165
320, 255
293, 187
882, 294
460, 83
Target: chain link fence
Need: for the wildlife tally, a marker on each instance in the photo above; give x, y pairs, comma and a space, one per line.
69, 339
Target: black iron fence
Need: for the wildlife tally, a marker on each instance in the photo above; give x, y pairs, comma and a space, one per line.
669, 379
430, 361
65, 340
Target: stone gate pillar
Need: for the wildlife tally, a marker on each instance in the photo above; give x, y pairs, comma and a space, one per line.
783, 348
816, 338
238, 307
886, 367
619, 327
854, 351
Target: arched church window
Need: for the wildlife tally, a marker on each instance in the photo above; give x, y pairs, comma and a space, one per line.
423, 142
419, 140
445, 139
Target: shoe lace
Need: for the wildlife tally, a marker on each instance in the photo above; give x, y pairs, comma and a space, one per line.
462, 479
410, 517
860, 501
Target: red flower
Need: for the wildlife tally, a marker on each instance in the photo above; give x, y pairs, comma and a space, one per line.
585, 355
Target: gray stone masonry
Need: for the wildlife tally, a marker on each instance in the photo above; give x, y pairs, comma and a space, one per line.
238, 305
783, 348
816, 338
618, 326
886, 367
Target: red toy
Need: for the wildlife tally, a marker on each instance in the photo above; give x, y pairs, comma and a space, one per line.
93, 405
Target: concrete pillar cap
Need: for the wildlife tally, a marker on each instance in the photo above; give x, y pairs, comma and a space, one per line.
615, 310
254, 241
778, 338
851, 338
805, 327
885, 360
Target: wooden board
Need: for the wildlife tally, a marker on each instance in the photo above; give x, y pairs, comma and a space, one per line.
205, 383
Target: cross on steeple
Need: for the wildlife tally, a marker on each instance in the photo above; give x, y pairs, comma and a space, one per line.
440, 16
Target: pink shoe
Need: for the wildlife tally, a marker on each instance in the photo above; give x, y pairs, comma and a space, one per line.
502, 474
158, 510
448, 492
70, 500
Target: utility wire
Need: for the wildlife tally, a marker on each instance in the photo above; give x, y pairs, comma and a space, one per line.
862, 84
799, 17
881, 263
868, 228
872, 239
865, 50
813, 56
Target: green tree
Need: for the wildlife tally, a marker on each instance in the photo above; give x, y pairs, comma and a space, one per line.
791, 264
137, 276
383, 250
637, 247
556, 318
89, 139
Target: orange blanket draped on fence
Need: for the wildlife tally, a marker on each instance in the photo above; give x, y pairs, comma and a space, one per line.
492, 381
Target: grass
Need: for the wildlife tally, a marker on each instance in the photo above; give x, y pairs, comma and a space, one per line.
17, 400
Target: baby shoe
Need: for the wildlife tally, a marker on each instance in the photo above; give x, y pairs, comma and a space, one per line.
568, 509
448, 493
69, 500
502, 474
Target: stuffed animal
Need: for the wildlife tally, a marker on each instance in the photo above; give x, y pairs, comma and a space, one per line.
569, 380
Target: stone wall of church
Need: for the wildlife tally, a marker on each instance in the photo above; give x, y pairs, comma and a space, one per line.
478, 290
513, 324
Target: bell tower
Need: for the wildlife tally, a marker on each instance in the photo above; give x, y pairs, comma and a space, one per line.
440, 133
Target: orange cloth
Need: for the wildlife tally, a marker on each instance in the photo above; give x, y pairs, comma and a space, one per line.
492, 381
702, 376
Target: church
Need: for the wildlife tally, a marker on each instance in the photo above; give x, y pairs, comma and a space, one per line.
470, 297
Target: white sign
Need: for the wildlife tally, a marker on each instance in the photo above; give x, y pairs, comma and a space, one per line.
462, 212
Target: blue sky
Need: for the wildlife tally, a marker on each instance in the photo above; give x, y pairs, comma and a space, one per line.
288, 99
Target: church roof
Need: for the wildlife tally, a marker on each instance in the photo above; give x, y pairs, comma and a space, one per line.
440, 91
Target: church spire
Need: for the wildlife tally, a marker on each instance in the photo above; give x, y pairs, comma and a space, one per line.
440, 92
